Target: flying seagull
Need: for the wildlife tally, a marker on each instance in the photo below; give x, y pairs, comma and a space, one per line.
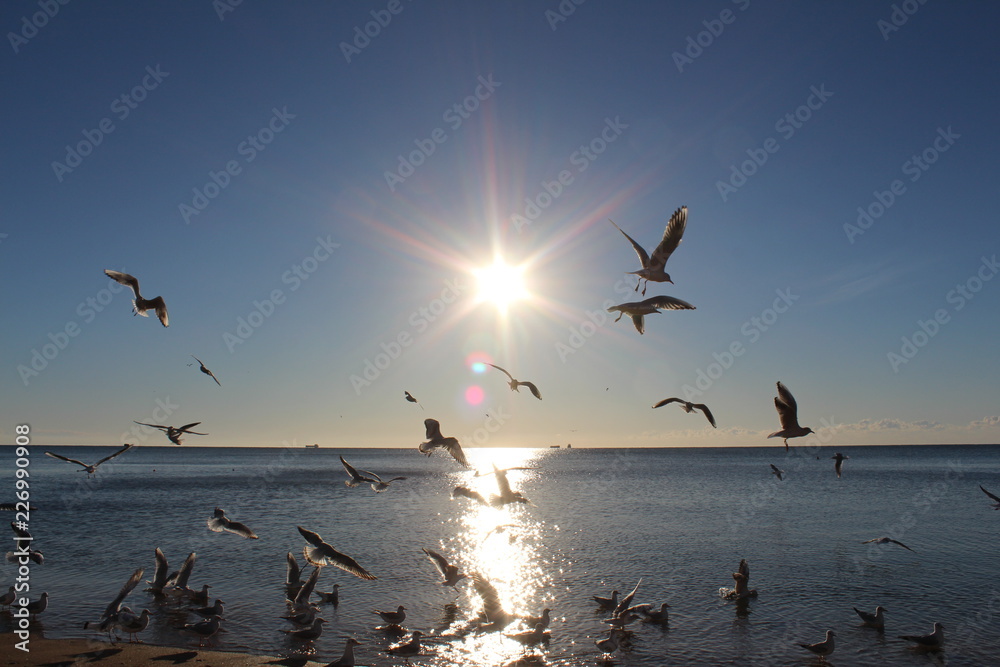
409, 397
435, 439
174, 434
933, 641
823, 648
140, 305
688, 406
515, 384
788, 416
507, 496
90, 469
450, 572
995, 499
365, 477
637, 309
466, 492
496, 617
204, 369
221, 523
652, 267
319, 553
776, 471
886, 540
876, 620
839, 465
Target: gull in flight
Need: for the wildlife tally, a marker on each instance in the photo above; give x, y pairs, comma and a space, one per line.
221, 523
688, 406
742, 591
319, 553
450, 572
995, 499
346, 660
777, 472
90, 469
886, 540
435, 439
652, 267
392, 617
876, 620
506, 496
638, 309
204, 369
365, 477
839, 465
140, 305
466, 492
110, 616
823, 648
933, 641
174, 434
409, 397
515, 384
788, 416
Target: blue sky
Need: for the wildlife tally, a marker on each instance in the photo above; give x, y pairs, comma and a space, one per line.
225, 158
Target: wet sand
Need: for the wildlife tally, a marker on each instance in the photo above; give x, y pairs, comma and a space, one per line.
59, 652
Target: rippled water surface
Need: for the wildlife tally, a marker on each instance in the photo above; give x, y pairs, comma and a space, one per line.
599, 519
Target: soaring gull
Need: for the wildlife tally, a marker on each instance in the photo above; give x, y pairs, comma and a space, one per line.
688, 406
140, 305
652, 267
515, 384
788, 411
174, 434
90, 469
319, 553
221, 523
435, 439
638, 309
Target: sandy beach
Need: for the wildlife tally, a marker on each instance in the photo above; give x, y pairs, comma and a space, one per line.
54, 652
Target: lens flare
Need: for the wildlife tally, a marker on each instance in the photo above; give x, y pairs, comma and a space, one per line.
477, 361
474, 395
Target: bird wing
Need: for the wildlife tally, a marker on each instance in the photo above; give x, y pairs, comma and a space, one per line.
776, 469
788, 409
63, 458
668, 401
240, 529
433, 429
181, 578
311, 537
708, 413
900, 544
502, 371
160, 573
626, 601
639, 323
184, 429
111, 456
161, 310
980, 486
744, 568
455, 449
132, 582
302, 597
671, 239
348, 564
409, 397
466, 492
502, 482
162, 428
440, 561
643, 256
292, 570
352, 471
124, 279
534, 390
491, 599
664, 302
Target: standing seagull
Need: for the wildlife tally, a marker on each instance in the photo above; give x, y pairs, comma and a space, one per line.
876, 620
933, 641
652, 267
995, 499
450, 572
777, 472
886, 540
319, 553
839, 465
688, 406
637, 309
435, 439
174, 434
788, 411
90, 469
346, 660
823, 648
409, 397
221, 523
204, 369
140, 305
514, 384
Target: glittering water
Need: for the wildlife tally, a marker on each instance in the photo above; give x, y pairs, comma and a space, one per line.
600, 519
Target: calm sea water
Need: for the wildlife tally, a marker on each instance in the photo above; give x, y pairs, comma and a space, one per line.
601, 519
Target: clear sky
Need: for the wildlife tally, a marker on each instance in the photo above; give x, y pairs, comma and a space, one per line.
838, 161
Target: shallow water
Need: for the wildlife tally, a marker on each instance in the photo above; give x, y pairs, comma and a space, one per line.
679, 519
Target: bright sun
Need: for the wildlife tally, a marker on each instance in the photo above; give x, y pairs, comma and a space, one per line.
501, 284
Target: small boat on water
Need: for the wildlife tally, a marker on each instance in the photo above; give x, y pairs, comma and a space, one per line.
553, 446
312, 446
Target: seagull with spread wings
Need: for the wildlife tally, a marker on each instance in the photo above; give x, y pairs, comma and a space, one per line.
653, 266
688, 407
319, 553
886, 540
409, 397
365, 477
221, 523
90, 469
435, 439
839, 465
452, 575
655, 304
174, 434
777, 472
788, 411
204, 369
140, 305
516, 384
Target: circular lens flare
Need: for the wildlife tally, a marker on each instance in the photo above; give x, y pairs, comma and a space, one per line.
474, 395
477, 361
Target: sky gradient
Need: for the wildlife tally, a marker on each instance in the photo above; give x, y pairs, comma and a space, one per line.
311, 201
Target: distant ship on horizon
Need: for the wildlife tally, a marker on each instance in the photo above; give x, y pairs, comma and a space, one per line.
312, 446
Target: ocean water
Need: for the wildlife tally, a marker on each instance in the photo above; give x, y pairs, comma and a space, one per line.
600, 519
